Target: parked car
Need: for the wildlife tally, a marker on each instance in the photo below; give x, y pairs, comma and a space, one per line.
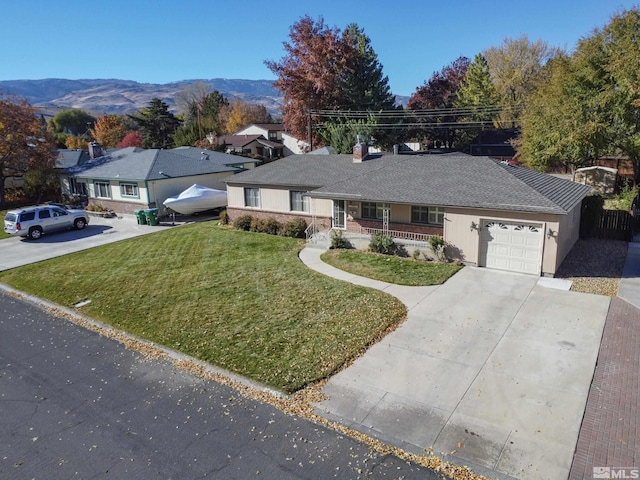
36, 221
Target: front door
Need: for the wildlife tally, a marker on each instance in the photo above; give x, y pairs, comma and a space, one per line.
339, 214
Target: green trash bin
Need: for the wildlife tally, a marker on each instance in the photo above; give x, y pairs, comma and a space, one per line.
152, 216
140, 217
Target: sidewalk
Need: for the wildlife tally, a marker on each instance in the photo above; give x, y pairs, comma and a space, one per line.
610, 432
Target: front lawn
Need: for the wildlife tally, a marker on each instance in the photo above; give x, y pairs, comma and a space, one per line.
386, 268
240, 300
3, 234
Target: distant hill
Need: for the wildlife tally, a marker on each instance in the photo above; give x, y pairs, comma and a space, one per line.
100, 96
125, 96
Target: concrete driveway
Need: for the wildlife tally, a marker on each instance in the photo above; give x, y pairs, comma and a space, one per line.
491, 370
18, 251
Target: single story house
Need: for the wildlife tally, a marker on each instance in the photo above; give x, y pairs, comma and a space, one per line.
132, 178
491, 214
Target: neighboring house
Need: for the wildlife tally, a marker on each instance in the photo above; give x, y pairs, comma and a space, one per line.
275, 132
255, 146
132, 178
491, 214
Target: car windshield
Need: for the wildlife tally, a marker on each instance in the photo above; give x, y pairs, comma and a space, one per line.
11, 217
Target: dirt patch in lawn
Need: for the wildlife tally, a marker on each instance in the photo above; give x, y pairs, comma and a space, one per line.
595, 266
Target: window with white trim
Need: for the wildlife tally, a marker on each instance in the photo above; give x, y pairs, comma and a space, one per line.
129, 190
298, 201
374, 210
102, 189
427, 215
252, 197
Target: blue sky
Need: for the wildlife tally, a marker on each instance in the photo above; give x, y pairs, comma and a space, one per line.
160, 41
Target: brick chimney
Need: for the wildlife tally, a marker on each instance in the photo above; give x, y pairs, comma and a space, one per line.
94, 150
360, 152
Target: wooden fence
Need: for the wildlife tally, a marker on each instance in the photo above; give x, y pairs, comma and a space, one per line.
610, 224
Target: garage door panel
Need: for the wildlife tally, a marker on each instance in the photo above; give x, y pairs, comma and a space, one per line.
513, 246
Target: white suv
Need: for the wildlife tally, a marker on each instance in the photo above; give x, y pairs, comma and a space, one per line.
35, 221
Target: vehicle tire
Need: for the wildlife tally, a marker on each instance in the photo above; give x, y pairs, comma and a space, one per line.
79, 224
35, 233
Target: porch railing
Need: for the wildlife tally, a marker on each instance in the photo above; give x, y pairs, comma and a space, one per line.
405, 237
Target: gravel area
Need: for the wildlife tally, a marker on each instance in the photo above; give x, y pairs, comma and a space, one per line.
595, 266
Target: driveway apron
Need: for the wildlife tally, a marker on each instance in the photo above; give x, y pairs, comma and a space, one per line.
490, 370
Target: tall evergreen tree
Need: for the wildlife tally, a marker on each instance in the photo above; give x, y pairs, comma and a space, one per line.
157, 124
364, 86
478, 98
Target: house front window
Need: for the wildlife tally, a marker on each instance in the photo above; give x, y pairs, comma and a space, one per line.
129, 190
76, 187
102, 190
427, 215
299, 202
374, 211
252, 197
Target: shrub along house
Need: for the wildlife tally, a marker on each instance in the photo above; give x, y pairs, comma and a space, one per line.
491, 214
127, 179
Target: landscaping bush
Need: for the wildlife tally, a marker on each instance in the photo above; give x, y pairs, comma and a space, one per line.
271, 226
257, 225
224, 217
438, 246
243, 222
294, 228
338, 240
382, 244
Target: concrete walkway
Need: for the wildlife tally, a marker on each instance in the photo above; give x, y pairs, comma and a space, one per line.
491, 370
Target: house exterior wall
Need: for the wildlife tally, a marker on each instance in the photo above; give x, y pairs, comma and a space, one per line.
160, 190
276, 200
466, 242
567, 234
399, 220
150, 194
292, 146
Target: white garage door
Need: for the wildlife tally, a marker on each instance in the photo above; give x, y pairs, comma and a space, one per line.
512, 246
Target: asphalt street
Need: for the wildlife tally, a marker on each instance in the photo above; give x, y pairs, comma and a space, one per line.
74, 404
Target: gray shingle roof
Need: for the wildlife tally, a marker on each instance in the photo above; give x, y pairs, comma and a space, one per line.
138, 164
455, 180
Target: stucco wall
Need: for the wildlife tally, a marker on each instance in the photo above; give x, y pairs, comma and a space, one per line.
466, 242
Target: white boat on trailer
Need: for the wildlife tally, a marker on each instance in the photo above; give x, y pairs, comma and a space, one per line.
196, 199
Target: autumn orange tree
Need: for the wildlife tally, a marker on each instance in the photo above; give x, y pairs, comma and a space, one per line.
73, 142
108, 130
240, 114
25, 145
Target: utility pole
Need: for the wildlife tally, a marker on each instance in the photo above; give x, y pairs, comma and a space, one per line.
309, 130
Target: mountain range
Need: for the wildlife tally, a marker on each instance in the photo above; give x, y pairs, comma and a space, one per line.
101, 96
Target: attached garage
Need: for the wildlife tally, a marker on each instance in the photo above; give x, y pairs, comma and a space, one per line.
512, 246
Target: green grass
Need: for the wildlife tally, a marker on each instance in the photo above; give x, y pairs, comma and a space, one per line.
243, 301
386, 268
2, 232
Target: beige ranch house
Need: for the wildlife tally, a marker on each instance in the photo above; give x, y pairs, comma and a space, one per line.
490, 213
